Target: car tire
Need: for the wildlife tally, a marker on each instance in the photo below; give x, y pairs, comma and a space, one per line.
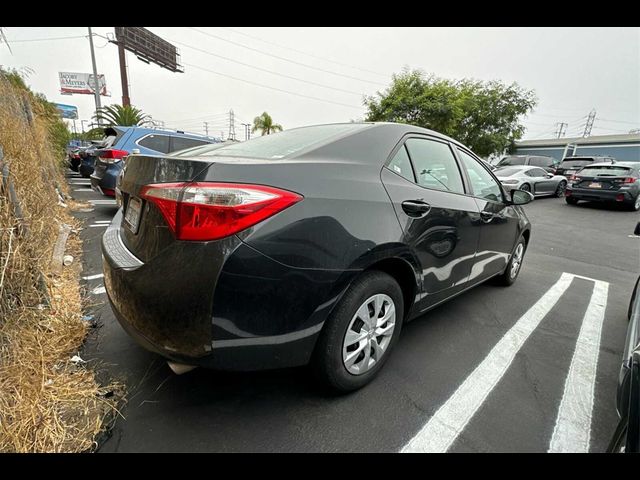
328, 362
510, 275
561, 188
526, 187
571, 200
635, 205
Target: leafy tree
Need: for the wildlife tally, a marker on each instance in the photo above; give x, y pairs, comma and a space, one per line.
265, 124
125, 116
482, 115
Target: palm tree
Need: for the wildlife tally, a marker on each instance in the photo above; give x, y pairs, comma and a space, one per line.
124, 116
265, 124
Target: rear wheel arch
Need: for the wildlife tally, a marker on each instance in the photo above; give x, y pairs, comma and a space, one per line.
403, 273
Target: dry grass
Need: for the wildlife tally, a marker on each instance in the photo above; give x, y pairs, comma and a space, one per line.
47, 403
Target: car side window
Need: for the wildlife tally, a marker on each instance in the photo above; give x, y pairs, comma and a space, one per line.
482, 183
159, 143
401, 164
435, 165
536, 172
181, 143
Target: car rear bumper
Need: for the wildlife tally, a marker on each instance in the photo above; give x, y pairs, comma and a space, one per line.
103, 178
219, 304
595, 195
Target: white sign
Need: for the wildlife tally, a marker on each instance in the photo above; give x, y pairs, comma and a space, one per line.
83, 83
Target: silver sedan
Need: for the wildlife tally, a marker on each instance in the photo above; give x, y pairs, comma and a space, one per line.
531, 179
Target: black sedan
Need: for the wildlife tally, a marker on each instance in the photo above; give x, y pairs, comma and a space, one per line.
313, 245
627, 436
605, 182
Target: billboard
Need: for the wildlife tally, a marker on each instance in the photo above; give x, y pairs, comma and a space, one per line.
83, 83
67, 111
149, 47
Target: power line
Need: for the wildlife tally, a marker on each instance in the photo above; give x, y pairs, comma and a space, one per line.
272, 88
46, 39
617, 121
267, 70
305, 53
286, 59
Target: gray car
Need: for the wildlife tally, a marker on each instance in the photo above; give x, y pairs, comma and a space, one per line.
531, 179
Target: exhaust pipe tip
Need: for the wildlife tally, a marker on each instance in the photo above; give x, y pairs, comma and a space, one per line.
180, 368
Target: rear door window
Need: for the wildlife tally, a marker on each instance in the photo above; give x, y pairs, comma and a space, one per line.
401, 165
180, 143
159, 143
434, 164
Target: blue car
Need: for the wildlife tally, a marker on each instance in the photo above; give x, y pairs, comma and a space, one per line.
123, 141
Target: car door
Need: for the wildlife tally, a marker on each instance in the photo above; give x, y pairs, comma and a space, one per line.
499, 220
440, 222
541, 183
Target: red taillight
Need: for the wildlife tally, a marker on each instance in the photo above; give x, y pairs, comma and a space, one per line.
626, 180
112, 155
620, 197
574, 178
209, 211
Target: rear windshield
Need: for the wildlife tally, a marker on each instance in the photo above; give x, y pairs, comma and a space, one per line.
576, 163
284, 144
196, 151
613, 171
512, 161
507, 172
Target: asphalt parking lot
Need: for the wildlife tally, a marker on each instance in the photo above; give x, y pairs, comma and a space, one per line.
440, 390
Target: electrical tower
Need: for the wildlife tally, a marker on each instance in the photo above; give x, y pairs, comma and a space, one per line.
206, 128
589, 125
562, 129
232, 126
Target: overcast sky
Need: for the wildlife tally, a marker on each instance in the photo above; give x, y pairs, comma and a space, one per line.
572, 71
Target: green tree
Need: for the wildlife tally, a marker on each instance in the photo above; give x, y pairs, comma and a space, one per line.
485, 116
265, 124
118, 115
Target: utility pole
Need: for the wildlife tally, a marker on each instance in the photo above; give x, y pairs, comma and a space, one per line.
96, 91
232, 126
562, 129
126, 101
206, 128
589, 125
246, 131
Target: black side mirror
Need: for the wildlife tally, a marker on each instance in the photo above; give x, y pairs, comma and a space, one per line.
520, 197
637, 230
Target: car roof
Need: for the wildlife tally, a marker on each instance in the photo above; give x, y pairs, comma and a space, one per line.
166, 131
518, 167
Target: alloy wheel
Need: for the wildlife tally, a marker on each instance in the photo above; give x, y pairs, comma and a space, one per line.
561, 188
369, 334
516, 261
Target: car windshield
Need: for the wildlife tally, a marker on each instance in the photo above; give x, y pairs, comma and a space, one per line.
605, 171
512, 161
507, 171
285, 144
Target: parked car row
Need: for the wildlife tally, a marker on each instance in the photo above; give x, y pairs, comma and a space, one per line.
617, 182
104, 163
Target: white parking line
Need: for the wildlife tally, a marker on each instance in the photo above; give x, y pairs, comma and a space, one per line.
573, 425
93, 277
102, 202
102, 221
99, 225
98, 290
444, 427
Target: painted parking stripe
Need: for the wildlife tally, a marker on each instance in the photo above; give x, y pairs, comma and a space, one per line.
572, 431
93, 277
444, 427
99, 225
98, 290
102, 221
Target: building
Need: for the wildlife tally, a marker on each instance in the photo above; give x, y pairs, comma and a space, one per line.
625, 147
